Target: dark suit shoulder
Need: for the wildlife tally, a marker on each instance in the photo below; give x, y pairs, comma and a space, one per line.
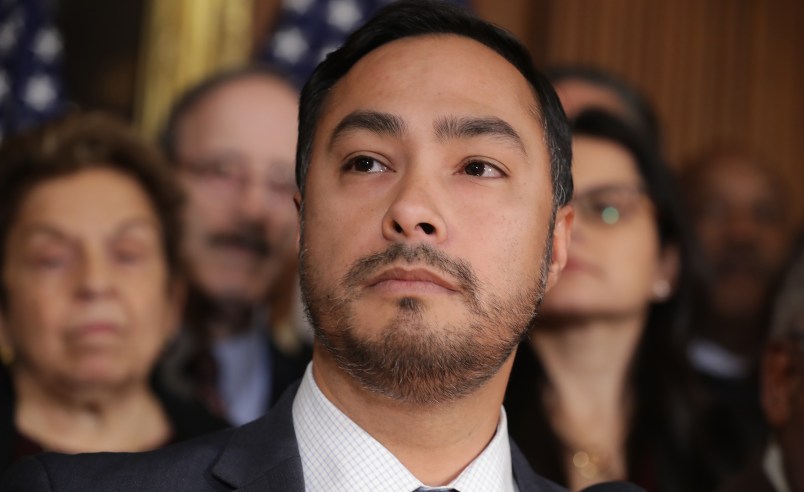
752, 479
173, 468
262, 454
526, 479
28, 475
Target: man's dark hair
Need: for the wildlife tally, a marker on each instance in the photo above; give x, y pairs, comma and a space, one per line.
76, 143
410, 18
189, 99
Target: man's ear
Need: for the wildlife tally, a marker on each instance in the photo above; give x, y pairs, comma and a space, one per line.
778, 383
297, 200
562, 234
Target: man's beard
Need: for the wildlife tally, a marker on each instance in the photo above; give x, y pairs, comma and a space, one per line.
408, 359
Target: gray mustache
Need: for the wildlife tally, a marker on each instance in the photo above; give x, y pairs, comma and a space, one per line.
243, 240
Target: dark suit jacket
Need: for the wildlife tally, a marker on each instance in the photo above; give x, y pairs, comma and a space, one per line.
752, 479
260, 456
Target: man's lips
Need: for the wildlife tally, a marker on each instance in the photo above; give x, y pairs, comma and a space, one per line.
418, 279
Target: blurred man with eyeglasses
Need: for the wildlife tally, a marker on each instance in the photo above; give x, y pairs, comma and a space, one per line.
742, 219
232, 140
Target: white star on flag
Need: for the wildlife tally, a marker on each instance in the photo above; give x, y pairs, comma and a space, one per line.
47, 44
9, 33
344, 14
298, 6
40, 93
3, 85
290, 45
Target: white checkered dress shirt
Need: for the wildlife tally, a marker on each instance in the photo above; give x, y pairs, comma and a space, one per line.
337, 455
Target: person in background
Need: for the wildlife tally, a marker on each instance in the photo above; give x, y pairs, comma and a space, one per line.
742, 220
231, 140
598, 392
781, 466
582, 87
90, 291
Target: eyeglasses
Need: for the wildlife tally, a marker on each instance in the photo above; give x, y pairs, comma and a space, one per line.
610, 205
231, 178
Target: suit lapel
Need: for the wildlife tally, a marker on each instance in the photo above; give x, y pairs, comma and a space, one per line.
264, 455
526, 479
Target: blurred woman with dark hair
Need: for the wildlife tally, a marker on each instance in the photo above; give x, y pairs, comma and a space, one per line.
599, 391
90, 291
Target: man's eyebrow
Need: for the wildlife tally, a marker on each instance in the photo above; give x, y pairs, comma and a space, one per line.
452, 128
385, 124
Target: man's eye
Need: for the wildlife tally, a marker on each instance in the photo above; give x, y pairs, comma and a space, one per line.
482, 169
222, 171
51, 263
365, 164
128, 257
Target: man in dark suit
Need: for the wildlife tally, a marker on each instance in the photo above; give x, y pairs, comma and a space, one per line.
434, 174
231, 140
781, 466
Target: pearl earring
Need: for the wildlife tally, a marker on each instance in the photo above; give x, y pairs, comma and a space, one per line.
661, 290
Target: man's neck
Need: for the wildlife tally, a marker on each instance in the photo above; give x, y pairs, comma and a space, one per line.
435, 443
741, 335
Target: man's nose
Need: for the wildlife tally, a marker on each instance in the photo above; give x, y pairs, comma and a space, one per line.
253, 201
415, 214
95, 278
742, 227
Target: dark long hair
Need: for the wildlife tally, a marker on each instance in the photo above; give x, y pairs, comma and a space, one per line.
664, 442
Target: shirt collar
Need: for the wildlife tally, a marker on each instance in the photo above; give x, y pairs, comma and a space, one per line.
717, 361
773, 465
337, 454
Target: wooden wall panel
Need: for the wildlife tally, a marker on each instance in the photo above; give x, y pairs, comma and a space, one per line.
716, 70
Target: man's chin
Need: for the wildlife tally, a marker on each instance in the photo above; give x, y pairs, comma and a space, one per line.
249, 286
236, 293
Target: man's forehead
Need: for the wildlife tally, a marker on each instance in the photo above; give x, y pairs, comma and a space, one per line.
254, 97
444, 68
446, 55
742, 175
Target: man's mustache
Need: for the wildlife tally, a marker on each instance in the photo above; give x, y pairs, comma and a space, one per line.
251, 240
424, 254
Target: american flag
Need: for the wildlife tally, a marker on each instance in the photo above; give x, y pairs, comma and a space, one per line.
307, 30
30, 65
